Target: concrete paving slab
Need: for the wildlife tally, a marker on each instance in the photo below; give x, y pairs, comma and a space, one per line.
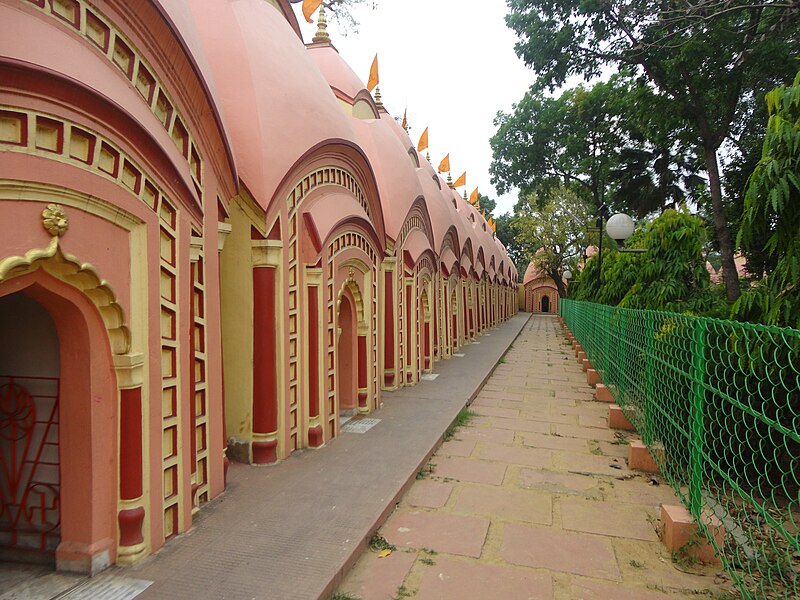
442, 532
470, 580
563, 551
631, 521
471, 470
456, 447
505, 504
429, 494
529, 457
379, 578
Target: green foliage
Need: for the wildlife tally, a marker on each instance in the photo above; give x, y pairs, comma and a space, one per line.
487, 204
670, 276
462, 418
772, 211
705, 64
548, 142
377, 543
506, 235
550, 231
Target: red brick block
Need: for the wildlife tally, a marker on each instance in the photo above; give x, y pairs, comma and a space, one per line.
603, 394
682, 536
617, 418
581, 356
586, 364
592, 376
639, 458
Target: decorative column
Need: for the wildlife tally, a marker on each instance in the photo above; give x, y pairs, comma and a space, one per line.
363, 389
409, 339
130, 517
315, 429
265, 367
389, 376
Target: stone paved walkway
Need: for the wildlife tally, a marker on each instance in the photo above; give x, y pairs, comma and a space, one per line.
533, 499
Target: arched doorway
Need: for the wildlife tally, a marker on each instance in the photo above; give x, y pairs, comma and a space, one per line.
30, 482
39, 304
347, 356
425, 319
545, 304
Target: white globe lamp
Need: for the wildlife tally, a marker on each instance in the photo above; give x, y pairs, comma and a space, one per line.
619, 227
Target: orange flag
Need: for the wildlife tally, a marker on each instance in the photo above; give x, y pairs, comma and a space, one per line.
445, 164
473, 199
373, 74
461, 180
423, 141
309, 7
404, 125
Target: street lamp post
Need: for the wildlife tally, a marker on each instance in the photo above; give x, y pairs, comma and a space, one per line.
602, 214
619, 227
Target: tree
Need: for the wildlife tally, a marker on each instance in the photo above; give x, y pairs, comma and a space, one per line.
702, 59
487, 204
570, 140
505, 233
772, 212
551, 231
671, 274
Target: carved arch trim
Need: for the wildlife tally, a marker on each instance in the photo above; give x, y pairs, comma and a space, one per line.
82, 276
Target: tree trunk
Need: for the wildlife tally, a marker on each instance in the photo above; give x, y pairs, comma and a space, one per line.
729, 273
562, 291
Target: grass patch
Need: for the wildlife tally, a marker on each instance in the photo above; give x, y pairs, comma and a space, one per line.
377, 543
402, 592
427, 561
425, 471
462, 418
344, 596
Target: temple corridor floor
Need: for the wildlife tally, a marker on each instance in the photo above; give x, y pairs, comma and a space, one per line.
532, 499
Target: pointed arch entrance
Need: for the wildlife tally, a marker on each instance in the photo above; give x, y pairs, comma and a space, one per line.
352, 389
80, 475
545, 304
347, 349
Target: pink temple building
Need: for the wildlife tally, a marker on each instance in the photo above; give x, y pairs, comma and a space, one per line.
215, 243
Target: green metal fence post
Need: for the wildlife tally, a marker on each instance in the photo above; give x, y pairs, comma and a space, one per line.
697, 417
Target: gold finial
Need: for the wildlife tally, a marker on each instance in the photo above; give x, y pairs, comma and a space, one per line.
450, 182
378, 100
54, 220
322, 28
465, 196
428, 156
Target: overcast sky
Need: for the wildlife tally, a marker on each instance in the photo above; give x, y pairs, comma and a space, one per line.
452, 63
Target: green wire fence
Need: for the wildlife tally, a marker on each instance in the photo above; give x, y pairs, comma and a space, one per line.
718, 405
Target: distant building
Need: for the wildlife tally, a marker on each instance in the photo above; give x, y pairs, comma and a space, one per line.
541, 293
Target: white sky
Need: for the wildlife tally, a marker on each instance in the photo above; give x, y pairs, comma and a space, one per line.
452, 63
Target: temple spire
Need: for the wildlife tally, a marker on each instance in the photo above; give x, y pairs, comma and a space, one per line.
322, 28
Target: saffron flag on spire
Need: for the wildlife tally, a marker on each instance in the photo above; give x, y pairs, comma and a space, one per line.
423, 141
404, 125
309, 7
473, 199
445, 164
461, 180
373, 74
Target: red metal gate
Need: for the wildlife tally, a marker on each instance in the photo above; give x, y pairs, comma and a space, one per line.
29, 464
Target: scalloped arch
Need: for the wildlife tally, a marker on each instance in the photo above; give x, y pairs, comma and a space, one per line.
82, 276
